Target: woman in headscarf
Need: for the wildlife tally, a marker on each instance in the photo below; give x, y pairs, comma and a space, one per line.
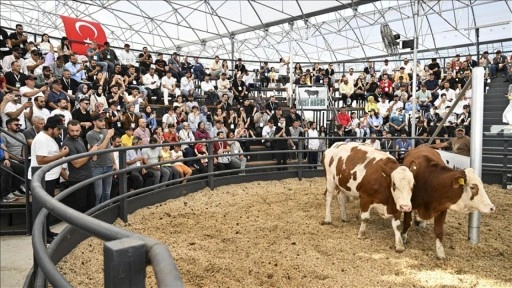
82, 92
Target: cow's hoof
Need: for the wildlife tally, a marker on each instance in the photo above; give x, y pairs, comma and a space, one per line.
325, 223
404, 238
345, 220
361, 236
399, 249
440, 257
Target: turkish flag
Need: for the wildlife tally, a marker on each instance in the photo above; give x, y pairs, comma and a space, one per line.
81, 33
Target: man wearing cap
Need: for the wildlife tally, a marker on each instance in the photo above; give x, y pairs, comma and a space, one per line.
45, 150
103, 163
461, 144
397, 123
55, 95
34, 64
13, 109
499, 63
187, 85
109, 56
126, 58
29, 90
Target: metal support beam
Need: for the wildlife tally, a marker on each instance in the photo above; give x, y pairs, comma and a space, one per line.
123, 187
477, 131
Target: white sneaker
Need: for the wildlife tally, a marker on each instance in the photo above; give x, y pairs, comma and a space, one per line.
9, 198
18, 194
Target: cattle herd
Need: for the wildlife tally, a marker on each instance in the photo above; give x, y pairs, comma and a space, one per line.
423, 185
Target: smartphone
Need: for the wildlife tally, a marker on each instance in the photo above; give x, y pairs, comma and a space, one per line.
29, 100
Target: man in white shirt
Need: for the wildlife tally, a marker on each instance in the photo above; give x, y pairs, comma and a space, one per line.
38, 109
127, 58
268, 132
34, 64
14, 109
351, 76
152, 84
248, 78
396, 104
223, 85
169, 87
283, 73
29, 91
63, 110
408, 67
216, 67
187, 85
383, 106
16, 56
387, 67
208, 89
313, 144
450, 93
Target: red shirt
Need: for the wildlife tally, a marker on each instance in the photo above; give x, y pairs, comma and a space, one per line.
387, 86
343, 119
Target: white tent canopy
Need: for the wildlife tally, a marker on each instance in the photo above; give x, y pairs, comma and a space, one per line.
322, 31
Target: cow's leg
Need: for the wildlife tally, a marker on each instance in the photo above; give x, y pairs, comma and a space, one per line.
328, 199
406, 225
438, 231
365, 216
418, 222
342, 201
399, 244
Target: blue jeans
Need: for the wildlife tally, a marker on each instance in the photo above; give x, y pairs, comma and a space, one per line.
102, 187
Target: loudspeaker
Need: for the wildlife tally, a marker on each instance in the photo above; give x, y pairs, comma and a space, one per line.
408, 44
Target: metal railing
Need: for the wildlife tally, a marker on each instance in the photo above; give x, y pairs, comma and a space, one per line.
28, 208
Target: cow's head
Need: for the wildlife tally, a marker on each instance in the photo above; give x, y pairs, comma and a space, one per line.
402, 182
474, 197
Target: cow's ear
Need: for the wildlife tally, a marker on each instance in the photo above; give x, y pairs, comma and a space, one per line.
413, 167
387, 172
459, 181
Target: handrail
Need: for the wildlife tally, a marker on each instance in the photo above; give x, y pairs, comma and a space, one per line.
26, 164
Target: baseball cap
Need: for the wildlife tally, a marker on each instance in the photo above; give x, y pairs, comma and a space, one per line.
55, 121
460, 128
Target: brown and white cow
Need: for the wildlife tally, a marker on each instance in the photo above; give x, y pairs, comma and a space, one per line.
439, 188
375, 177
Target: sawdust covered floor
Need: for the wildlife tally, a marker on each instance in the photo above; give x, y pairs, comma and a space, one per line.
268, 234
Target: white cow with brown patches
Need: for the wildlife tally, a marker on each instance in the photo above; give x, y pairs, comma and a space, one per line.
375, 177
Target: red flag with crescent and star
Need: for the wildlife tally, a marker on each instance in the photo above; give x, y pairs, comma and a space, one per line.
81, 33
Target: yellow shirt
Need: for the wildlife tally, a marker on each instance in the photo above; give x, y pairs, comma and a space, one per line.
371, 106
126, 140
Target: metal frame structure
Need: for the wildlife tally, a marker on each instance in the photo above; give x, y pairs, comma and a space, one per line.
324, 31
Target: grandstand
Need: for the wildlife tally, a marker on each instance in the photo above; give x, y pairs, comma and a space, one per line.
156, 69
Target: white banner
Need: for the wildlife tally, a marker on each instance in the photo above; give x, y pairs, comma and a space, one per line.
311, 97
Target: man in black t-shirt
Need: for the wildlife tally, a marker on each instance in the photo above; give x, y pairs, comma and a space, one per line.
145, 60
5, 44
79, 170
18, 39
